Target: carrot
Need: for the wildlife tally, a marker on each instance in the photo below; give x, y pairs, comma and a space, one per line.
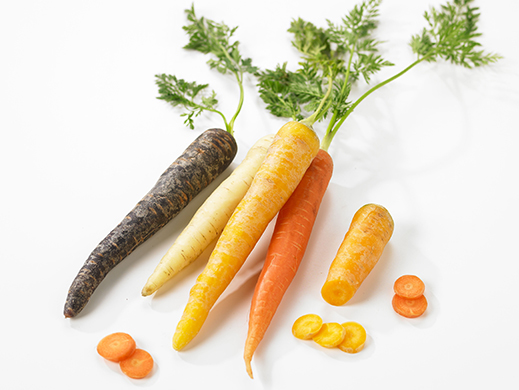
210, 219
305, 327
410, 308
370, 230
286, 250
354, 339
331, 335
409, 286
116, 346
208, 156
289, 156
138, 365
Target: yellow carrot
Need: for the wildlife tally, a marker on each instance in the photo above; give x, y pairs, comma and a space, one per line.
370, 230
210, 219
288, 158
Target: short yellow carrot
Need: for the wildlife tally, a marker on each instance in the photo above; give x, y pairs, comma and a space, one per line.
210, 219
369, 232
293, 149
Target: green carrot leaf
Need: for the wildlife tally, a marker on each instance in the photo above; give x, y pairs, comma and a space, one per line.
450, 35
209, 37
188, 95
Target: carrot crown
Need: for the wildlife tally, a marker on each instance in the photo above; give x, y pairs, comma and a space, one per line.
212, 38
450, 35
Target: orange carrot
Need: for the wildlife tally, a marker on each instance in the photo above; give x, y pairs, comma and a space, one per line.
138, 365
287, 160
287, 247
409, 308
409, 286
369, 232
116, 346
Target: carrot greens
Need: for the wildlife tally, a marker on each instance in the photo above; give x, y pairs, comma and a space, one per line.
450, 34
339, 54
208, 37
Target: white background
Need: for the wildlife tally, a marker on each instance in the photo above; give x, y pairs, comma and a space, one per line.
84, 138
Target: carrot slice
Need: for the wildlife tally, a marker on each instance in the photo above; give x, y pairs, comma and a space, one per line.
307, 326
116, 346
138, 365
410, 308
409, 286
330, 335
354, 339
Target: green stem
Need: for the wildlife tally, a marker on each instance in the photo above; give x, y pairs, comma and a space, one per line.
315, 116
327, 139
230, 127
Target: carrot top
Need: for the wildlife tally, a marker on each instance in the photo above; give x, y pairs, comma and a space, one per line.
213, 38
344, 53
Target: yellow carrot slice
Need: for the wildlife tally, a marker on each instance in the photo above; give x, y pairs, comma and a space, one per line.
210, 219
370, 230
288, 158
354, 339
330, 335
307, 326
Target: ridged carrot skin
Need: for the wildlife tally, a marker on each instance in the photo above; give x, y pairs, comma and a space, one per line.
208, 156
210, 219
369, 232
286, 250
289, 156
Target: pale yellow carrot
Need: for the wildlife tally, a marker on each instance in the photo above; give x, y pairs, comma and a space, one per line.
210, 219
288, 158
370, 230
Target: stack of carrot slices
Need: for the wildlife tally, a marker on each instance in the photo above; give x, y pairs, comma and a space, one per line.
121, 348
348, 337
409, 300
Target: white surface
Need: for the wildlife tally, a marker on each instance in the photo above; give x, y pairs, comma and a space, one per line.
84, 138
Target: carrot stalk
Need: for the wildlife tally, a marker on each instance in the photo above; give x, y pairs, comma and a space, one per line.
210, 219
286, 250
208, 156
289, 156
370, 230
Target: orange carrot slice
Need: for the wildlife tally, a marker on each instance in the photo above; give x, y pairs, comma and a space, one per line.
138, 365
410, 308
354, 339
307, 326
116, 346
409, 286
330, 335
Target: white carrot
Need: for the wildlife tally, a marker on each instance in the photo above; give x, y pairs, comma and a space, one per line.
210, 219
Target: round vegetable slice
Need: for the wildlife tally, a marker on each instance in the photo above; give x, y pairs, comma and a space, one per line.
409, 286
330, 335
116, 346
354, 339
409, 308
307, 326
138, 365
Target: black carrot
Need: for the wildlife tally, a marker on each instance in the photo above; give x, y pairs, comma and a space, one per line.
208, 156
